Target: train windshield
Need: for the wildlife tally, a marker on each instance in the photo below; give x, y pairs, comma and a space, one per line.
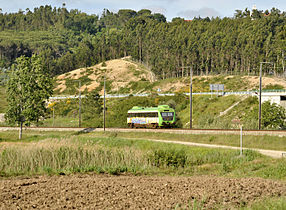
167, 116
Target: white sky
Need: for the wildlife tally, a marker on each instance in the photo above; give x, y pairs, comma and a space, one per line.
170, 8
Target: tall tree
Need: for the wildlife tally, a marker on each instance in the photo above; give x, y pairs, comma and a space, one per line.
28, 87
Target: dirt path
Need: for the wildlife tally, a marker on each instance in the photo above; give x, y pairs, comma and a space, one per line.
270, 153
232, 106
90, 191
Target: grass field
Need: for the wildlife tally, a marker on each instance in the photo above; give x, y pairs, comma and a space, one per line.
250, 141
61, 122
62, 152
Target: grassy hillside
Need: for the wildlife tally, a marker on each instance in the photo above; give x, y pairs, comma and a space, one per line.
123, 76
208, 112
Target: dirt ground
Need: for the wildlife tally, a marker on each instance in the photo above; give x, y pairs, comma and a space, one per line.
117, 70
91, 191
253, 81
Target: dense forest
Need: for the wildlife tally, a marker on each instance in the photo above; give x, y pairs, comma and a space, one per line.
69, 39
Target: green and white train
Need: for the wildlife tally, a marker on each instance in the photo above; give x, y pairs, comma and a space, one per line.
151, 117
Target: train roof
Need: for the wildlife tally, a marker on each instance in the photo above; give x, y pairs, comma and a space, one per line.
150, 109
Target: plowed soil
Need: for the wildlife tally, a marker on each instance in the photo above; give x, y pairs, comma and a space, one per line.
93, 191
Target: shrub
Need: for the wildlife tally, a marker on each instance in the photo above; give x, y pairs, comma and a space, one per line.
168, 158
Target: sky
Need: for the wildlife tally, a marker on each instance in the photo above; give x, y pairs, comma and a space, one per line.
187, 9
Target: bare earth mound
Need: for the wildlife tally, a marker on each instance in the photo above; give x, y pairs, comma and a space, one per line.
119, 71
253, 81
130, 192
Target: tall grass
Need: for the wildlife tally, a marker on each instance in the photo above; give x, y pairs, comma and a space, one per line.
52, 154
67, 159
113, 155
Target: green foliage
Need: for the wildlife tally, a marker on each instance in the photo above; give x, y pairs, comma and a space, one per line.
28, 88
71, 86
70, 39
67, 107
117, 115
3, 100
168, 158
62, 159
3, 76
108, 153
206, 111
92, 110
274, 87
103, 64
273, 116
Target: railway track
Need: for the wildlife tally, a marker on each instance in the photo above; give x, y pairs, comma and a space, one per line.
279, 133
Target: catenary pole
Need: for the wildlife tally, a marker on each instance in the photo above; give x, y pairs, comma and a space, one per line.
79, 102
191, 98
104, 104
79, 105
260, 90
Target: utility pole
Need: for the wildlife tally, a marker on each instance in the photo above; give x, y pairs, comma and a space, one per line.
260, 90
191, 94
191, 97
283, 62
104, 104
79, 104
53, 116
241, 140
260, 87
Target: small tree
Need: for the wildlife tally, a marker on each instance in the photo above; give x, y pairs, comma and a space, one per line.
273, 116
28, 88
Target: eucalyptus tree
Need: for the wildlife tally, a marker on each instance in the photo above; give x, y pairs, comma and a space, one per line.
28, 88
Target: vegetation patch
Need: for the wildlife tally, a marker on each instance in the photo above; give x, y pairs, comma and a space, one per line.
3, 101
56, 152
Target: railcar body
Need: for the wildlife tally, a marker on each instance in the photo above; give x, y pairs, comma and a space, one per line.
151, 117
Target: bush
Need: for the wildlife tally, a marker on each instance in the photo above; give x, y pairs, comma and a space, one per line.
168, 158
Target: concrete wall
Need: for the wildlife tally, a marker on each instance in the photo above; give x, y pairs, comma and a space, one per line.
278, 98
272, 99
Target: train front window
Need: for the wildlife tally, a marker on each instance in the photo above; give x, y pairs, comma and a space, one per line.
167, 116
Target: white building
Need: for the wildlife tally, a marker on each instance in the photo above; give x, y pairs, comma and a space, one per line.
274, 97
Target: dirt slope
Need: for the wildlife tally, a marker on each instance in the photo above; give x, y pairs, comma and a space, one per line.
119, 71
132, 192
237, 83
